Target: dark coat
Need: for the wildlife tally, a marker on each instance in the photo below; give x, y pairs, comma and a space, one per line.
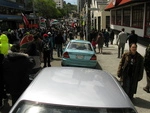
59, 39
133, 38
147, 59
16, 70
138, 69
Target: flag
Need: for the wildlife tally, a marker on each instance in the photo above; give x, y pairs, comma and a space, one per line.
25, 19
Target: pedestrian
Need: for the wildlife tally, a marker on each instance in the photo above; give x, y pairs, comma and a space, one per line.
81, 35
16, 69
94, 43
147, 68
33, 52
4, 48
46, 47
130, 70
112, 36
71, 37
65, 37
59, 43
51, 38
100, 42
106, 37
133, 38
122, 39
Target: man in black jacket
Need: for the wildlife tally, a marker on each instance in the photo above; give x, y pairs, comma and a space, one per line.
16, 69
133, 38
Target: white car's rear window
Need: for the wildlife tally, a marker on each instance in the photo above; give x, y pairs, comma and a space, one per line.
80, 46
35, 107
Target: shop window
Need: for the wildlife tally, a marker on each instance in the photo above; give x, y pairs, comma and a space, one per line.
137, 16
113, 17
118, 17
126, 16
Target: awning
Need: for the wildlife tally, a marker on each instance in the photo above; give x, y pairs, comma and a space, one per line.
116, 3
124, 2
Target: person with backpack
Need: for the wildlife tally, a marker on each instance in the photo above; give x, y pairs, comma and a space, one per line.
46, 47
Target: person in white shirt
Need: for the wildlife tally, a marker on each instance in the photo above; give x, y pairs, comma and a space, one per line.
122, 39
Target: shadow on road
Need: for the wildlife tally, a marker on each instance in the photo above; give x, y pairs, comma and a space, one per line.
57, 59
107, 53
139, 102
98, 66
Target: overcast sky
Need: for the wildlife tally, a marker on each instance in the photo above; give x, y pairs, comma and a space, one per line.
71, 1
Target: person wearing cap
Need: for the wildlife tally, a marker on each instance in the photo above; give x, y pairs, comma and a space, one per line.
46, 48
51, 38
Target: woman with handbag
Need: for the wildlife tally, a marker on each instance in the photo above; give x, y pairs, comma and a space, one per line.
130, 70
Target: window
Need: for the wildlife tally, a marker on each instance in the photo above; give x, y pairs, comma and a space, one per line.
80, 46
126, 16
36, 107
137, 16
113, 17
9, 11
107, 21
118, 17
99, 23
147, 21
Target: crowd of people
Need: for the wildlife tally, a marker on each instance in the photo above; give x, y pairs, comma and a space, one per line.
15, 60
21, 54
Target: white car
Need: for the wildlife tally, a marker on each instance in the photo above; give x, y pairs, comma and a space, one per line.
73, 90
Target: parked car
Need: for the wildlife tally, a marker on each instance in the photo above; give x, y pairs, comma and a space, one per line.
79, 53
73, 90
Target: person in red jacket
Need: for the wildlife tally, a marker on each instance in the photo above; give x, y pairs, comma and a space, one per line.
94, 44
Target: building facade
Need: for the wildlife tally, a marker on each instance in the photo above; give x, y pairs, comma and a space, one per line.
100, 18
131, 15
59, 3
10, 14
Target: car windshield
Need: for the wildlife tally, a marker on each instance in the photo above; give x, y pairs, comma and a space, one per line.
35, 107
80, 46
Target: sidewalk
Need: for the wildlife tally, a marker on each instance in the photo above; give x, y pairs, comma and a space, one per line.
109, 62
